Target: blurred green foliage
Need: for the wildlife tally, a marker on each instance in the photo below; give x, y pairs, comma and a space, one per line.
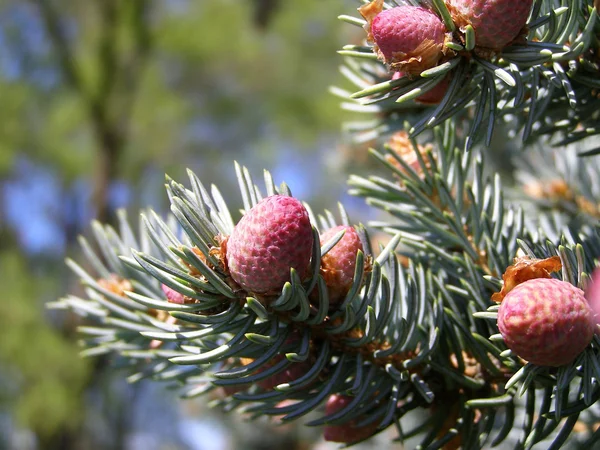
46, 377
142, 87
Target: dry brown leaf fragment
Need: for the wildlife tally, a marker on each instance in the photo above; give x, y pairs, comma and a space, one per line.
369, 11
525, 268
115, 284
404, 150
472, 367
553, 190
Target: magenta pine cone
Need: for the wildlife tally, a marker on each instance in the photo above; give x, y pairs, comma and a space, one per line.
408, 38
495, 22
337, 266
272, 237
546, 321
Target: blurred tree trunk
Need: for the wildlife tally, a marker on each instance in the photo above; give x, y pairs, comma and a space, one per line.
263, 12
109, 100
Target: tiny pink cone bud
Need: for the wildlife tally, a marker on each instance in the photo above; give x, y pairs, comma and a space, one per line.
172, 295
592, 294
291, 373
228, 391
408, 38
337, 266
546, 321
347, 432
272, 237
433, 96
156, 343
496, 22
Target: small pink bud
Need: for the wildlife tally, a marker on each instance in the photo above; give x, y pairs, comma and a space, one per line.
172, 295
592, 294
348, 432
432, 97
337, 266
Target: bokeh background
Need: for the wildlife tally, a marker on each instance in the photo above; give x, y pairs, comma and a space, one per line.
98, 100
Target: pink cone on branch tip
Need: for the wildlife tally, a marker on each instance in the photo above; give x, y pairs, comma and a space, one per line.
272, 237
496, 22
338, 265
407, 38
546, 321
